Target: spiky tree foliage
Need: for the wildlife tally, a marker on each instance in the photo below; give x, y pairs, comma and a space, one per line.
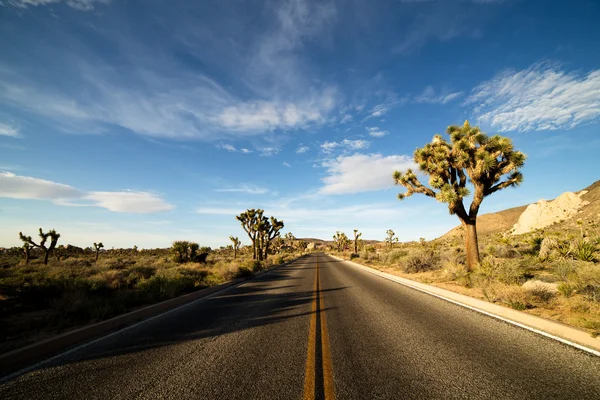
269, 232
340, 240
250, 220
489, 163
356, 236
291, 238
236, 245
391, 237
52, 235
97, 247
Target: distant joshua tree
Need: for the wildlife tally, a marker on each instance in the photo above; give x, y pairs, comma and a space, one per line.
340, 240
472, 155
236, 245
356, 236
53, 235
261, 231
391, 237
97, 247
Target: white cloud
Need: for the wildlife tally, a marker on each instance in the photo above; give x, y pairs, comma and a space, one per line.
430, 96
129, 202
228, 147
362, 172
346, 118
376, 132
246, 151
379, 110
346, 144
269, 151
84, 5
269, 115
302, 149
25, 187
7, 130
286, 164
540, 98
244, 189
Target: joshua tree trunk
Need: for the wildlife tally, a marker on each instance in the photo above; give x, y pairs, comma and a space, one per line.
46, 257
471, 243
266, 250
355, 246
234, 252
97, 250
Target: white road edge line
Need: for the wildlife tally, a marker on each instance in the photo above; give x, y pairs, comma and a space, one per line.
546, 334
25, 370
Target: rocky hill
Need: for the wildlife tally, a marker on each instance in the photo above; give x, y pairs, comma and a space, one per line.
560, 213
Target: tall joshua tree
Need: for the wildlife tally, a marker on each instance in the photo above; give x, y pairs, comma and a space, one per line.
341, 240
236, 245
97, 247
53, 235
250, 220
356, 236
26, 248
489, 163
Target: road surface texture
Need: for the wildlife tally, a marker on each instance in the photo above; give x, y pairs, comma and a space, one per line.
317, 328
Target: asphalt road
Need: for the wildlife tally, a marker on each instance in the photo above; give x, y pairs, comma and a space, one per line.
332, 331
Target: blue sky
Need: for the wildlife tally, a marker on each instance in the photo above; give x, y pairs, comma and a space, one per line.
144, 122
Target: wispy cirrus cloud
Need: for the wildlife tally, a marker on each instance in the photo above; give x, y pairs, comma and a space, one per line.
84, 5
8, 130
362, 172
128, 201
431, 96
541, 97
346, 144
302, 149
248, 189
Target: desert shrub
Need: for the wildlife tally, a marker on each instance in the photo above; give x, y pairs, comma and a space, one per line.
536, 244
515, 297
566, 289
394, 256
183, 251
584, 250
505, 251
253, 265
142, 272
457, 272
564, 269
507, 272
422, 261
244, 272
279, 260
587, 281
539, 290
354, 255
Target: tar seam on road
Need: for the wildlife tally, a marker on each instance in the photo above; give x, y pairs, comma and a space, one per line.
322, 373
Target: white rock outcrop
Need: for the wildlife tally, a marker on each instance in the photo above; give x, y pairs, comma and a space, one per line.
545, 213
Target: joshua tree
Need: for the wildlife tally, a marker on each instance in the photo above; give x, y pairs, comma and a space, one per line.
269, 232
184, 251
290, 236
44, 236
26, 252
250, 220
236, 245
391, 237
340, 240
356, 236
472, 155
97, 247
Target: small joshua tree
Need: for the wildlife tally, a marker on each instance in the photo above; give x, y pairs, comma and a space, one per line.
53, 235
356, 236
26, 248
340, 240
391, 237
97, 247
236, 245
489, 163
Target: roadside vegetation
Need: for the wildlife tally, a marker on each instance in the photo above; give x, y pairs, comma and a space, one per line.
552, 273
48, 289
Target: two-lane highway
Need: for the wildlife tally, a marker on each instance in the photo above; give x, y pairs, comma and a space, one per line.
317, 328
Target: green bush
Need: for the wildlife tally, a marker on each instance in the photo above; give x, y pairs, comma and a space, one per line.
354, 255
426, 260
394, 256
244, 272
506, 271
584, 250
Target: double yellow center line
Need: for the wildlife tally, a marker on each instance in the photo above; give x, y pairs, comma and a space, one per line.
318, 378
